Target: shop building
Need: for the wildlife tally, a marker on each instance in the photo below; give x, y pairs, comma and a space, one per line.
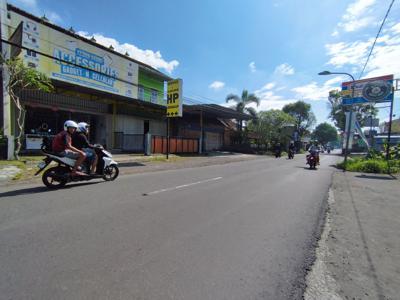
120, 97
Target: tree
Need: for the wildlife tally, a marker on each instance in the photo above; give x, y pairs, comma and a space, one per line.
273, 126
242, 102
337, 111
325, 133
304, 117
22, 77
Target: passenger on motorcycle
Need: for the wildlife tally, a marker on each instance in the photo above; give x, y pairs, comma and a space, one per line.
62, 145
81, 142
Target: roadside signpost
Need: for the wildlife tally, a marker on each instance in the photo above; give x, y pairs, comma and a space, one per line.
174, 98
174, 103
367, 91
370, 91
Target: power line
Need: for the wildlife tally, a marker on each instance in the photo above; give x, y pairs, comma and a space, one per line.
376, 38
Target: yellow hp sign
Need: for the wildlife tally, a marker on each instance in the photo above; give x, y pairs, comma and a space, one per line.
174, 98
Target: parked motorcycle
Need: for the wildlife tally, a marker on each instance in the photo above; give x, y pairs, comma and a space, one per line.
60, 175
312, 161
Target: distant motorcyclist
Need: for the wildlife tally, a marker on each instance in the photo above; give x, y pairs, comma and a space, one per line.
292, 150
278, 150
81, 142
62, 145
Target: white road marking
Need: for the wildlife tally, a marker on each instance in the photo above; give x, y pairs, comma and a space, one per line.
182, 186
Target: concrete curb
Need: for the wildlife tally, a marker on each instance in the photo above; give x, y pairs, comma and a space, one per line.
320, 283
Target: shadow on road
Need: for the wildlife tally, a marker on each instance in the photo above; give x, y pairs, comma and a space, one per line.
382, 177
130, 164
42, 189
306, 168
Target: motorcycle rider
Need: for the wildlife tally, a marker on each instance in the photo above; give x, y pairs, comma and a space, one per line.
62, 144
292, 149
81, 142
278, 150
314, 151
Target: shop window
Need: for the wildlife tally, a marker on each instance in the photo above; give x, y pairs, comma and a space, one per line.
140, 92
154, 95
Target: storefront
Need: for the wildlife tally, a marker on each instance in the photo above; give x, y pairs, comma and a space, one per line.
121, 98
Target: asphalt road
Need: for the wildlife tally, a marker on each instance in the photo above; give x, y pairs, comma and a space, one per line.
244, 230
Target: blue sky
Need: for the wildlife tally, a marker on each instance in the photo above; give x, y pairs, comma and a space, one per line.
273, 48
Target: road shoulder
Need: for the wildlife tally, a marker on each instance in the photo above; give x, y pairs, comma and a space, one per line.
358, 254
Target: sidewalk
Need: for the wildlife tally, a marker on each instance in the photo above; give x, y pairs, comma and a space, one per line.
359, 252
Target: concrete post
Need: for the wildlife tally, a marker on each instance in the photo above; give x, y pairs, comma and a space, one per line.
147, 144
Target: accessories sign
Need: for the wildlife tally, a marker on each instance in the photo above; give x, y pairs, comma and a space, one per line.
75, 60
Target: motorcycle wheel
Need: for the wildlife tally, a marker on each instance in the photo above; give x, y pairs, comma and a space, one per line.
110, 173
51, 182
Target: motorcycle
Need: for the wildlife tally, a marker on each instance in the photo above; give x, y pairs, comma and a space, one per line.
312, 161
291, 154
60, 175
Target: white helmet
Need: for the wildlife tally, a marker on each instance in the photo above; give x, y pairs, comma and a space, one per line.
83, 127
70, 123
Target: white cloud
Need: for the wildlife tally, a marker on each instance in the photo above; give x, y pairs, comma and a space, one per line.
335, 33
216, 85
150, 57
347, 53
34, 8
252, 67
54, 17
315, 92
269, 86
356, 17
384, 59
268, 98
284, 69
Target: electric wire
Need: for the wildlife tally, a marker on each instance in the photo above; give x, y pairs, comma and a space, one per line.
376, 38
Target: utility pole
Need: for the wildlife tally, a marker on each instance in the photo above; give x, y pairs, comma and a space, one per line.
348, 129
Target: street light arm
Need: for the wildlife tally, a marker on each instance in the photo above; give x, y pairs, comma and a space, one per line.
336, 73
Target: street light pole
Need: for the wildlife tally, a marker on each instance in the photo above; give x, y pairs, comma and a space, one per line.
348, 129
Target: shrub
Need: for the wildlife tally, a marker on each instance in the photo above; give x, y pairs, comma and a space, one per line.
369, 165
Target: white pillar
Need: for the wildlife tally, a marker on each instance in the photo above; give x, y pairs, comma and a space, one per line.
6, 97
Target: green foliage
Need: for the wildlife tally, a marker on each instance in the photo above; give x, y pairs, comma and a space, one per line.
325, 133
374, 162
337, 111
302, 114
272, 126
22, 77
242, 102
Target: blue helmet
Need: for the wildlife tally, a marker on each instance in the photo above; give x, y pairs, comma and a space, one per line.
83, 127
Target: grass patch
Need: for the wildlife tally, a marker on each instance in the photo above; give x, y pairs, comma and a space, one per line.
26, 164
163, 158
371, 165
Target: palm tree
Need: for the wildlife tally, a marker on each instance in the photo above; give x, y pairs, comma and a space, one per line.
242, 102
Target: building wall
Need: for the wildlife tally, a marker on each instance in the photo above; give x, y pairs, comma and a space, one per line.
150, 83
